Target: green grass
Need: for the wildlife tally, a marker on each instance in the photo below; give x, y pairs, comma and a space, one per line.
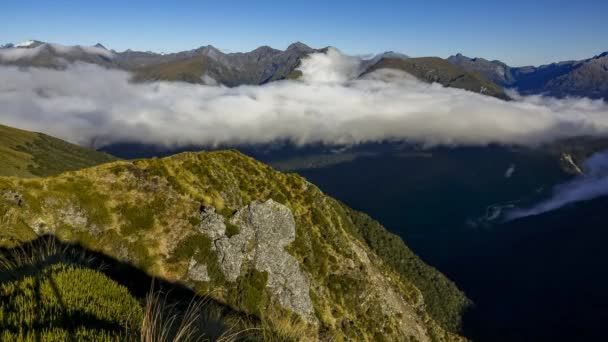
186, 70
140, 216
61, 300
29, 154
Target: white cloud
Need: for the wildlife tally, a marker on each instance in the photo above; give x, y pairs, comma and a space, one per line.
20, 53
592, 184
87, 103
15, 54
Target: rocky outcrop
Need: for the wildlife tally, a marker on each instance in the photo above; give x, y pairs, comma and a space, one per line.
197, 272
265, 229
264, 243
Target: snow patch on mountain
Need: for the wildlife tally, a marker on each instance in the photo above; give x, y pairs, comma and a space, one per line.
25, 44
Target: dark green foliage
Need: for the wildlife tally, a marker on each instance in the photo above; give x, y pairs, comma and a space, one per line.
198, 246
445, 303
251, 293
231, 229
140, 217
189, 246
194, 221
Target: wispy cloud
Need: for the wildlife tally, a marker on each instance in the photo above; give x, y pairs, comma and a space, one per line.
86, 103
591, 184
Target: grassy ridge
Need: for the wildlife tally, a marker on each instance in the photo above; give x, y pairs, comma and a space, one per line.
30, 154
146, 213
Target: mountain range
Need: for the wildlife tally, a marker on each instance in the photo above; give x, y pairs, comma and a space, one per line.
209, 65
584, 78
289, 255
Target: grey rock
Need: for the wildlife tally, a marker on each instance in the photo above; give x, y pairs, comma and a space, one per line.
197, 272
13, 197
73, 216
266, 228
212, 223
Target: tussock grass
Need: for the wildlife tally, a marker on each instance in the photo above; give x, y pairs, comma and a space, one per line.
164, 320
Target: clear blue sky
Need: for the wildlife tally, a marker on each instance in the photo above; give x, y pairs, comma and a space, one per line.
517, 32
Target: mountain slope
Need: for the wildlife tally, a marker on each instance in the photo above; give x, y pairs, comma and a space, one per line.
266, 243
588, 78
29, 154
496, 71
208, 64
434, 69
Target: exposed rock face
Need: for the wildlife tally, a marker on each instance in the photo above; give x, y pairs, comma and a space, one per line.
212, 224
13, 197
197, 272
73, 216
266, 228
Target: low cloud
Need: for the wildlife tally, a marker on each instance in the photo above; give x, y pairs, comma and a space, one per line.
592, 184
88, 104
17, 53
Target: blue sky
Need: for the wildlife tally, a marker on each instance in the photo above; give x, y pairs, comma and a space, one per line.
517, 32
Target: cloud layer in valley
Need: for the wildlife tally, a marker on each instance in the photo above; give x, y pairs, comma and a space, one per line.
88, 104
592, 184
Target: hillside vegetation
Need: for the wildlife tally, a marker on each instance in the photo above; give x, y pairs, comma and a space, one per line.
30, 154
268, 244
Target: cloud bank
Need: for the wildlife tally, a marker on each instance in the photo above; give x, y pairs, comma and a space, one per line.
88, 104
592, 184
17, 53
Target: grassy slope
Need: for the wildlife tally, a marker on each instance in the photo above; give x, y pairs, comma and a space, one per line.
435, 69
56, 302
145, 213
187, 70
192, 69
30, 154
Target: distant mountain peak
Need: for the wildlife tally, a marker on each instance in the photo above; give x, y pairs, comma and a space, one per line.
299, 45
26, 43
99, 45
265, 48
211, 51
603, 54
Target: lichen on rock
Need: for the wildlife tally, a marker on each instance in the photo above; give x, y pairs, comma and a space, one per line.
197, 272
266, 228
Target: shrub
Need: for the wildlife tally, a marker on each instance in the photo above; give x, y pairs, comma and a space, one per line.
62, 300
